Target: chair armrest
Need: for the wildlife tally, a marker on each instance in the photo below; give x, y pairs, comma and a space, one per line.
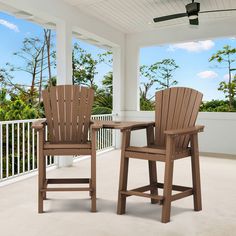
39, 124
185, 131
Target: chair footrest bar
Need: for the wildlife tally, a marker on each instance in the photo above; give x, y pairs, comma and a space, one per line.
65, 189
183, 194
160, 185
143, 189
140, 194
174, 187
68, 181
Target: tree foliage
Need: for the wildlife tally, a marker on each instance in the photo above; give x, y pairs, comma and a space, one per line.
225, 57
83, 67
158, 75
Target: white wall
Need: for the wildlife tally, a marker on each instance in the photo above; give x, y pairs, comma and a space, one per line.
219, 135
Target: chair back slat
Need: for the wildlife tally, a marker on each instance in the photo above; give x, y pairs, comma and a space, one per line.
82, 108
54, 111
176, 108
68, 104
68, 112
61, 107
194, 114
87, 115
48, 113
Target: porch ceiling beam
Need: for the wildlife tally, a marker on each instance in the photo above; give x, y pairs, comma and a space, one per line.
54, 10
184, 33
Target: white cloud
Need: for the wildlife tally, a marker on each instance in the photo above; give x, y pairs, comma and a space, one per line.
9, 25
208, 74
193, 46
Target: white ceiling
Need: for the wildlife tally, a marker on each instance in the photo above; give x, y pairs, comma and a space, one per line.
132, 16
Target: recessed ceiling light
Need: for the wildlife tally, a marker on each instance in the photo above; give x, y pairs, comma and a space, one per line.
92, 40
106, 46
23, 15
76, 34
50, 25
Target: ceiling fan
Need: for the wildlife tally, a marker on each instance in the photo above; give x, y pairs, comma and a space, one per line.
192, 11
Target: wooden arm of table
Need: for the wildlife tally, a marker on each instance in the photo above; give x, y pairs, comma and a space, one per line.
124, 125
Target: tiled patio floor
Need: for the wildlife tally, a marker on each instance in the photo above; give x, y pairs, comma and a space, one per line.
69, 214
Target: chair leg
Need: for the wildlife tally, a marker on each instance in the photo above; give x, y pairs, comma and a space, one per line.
121, 208
44, 176
93, 185
41, 170
168, 178
166, 209
197, 199
40, 184
124, 165
153, 179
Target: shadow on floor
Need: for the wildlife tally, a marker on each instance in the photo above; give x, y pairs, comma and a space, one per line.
138, 209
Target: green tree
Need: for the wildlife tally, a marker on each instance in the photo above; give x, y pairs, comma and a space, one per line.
37, 57
84, 67
225, 57
103, 98
166, 69
158, 75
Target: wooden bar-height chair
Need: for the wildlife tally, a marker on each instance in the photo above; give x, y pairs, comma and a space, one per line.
68, 111
176, 113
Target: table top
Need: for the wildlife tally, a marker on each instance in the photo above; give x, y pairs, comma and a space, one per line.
106, 124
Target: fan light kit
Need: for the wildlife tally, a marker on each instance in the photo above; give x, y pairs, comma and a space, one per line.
192, 11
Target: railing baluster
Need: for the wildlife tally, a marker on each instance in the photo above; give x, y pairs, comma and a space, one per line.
18, 148
7, 151
33, 150
23, 146
13, 149
1, 152
28, 146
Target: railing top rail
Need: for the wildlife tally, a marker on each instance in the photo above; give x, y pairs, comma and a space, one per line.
32, 120
102, 115
18, 121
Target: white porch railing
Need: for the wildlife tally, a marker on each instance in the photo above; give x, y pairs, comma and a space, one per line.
19, 142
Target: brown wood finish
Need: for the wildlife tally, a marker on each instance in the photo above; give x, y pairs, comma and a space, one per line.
68, 112
176, 113
123, 174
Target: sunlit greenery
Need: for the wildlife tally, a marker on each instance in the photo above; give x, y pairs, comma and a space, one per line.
20, 101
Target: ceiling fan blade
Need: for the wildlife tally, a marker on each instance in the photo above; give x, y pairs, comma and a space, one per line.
194, 21
221, 10
169, 17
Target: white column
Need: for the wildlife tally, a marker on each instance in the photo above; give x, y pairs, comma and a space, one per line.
64, 53
125, 82
118, 81
118, 88
64, 68
132, 77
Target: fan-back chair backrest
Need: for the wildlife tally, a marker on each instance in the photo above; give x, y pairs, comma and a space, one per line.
68, 111
176, 108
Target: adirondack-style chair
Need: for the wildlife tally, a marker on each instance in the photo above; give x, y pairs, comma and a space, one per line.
176, 112
68, 112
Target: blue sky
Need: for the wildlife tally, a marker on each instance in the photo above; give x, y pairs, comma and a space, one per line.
13, 31
195, 71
